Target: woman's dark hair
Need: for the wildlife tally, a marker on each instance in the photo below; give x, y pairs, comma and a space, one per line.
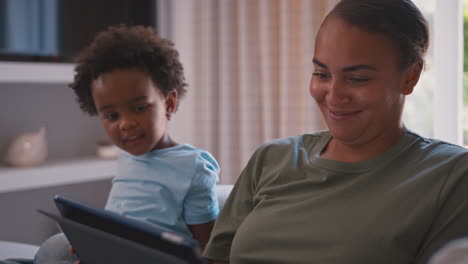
400, 20
121, 47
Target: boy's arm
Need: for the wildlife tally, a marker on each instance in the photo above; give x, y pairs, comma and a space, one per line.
202, 232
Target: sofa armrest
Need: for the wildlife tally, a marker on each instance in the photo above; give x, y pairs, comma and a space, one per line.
9, 249
223, 191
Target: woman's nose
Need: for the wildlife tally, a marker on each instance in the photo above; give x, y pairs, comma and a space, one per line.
338, 93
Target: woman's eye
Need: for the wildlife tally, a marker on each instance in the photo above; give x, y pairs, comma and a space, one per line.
359, 80
111, 116
321, 76
141, 108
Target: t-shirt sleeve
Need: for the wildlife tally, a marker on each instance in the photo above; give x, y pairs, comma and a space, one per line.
451, 220
201, 202
236, 208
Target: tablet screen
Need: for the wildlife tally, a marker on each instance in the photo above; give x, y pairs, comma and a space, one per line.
131, 229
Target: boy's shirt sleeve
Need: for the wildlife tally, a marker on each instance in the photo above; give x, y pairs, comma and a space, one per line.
201, 201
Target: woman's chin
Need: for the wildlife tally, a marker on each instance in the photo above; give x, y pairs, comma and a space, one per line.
343, 135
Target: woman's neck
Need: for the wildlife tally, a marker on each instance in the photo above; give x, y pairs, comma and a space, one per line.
349, 152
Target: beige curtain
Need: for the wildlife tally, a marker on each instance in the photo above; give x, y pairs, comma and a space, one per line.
248, 64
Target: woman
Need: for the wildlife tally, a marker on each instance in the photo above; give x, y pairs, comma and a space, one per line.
368, 190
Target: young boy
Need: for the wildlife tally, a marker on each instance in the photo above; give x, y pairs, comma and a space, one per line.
133, 80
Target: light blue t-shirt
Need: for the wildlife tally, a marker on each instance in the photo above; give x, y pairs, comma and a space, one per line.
172, 187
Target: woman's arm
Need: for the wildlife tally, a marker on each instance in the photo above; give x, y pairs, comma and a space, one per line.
237, 207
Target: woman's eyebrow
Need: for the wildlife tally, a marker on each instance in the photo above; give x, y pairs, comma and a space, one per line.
347, 68
318, 63
359, 67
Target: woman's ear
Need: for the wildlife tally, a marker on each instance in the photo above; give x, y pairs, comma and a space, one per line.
171, 103
412, 78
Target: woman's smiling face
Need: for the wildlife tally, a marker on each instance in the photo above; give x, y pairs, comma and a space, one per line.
358, 82
132, 109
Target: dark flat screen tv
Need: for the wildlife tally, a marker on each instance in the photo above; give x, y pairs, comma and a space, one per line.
57, 30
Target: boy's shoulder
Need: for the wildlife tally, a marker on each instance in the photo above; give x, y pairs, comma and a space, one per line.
178, 157
202, 165
187, 150
203, 158
180, 164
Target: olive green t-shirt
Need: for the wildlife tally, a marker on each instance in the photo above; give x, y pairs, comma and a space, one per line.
291, 206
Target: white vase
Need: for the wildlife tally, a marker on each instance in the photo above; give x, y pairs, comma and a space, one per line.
28, 149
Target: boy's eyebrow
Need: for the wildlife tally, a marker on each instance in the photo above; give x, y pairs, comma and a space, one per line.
133, 100
139, 98
348, 68
102, 108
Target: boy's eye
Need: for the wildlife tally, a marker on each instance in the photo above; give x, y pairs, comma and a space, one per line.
111, 116
141, 108
321, 76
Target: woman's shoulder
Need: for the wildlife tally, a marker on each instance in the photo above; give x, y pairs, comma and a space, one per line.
289, 146
298, 141
435, 146
436, 154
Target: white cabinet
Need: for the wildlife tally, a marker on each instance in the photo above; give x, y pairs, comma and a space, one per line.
53, 173
36, 72
56, 173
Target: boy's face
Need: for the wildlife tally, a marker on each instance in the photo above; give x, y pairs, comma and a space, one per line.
132, 109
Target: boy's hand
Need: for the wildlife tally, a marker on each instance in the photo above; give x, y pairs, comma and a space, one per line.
72, 252
202, 233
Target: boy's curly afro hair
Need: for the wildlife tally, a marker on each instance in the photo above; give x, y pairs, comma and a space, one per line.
121, 47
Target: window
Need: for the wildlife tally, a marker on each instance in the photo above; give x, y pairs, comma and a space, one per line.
416, 119
435, 108
465, 73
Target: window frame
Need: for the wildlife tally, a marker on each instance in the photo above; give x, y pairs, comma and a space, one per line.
448, 64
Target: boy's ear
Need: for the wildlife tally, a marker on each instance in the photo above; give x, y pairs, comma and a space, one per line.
412, 78
171, 102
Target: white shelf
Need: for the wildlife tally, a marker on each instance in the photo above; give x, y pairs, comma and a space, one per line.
36, 72
56, 173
